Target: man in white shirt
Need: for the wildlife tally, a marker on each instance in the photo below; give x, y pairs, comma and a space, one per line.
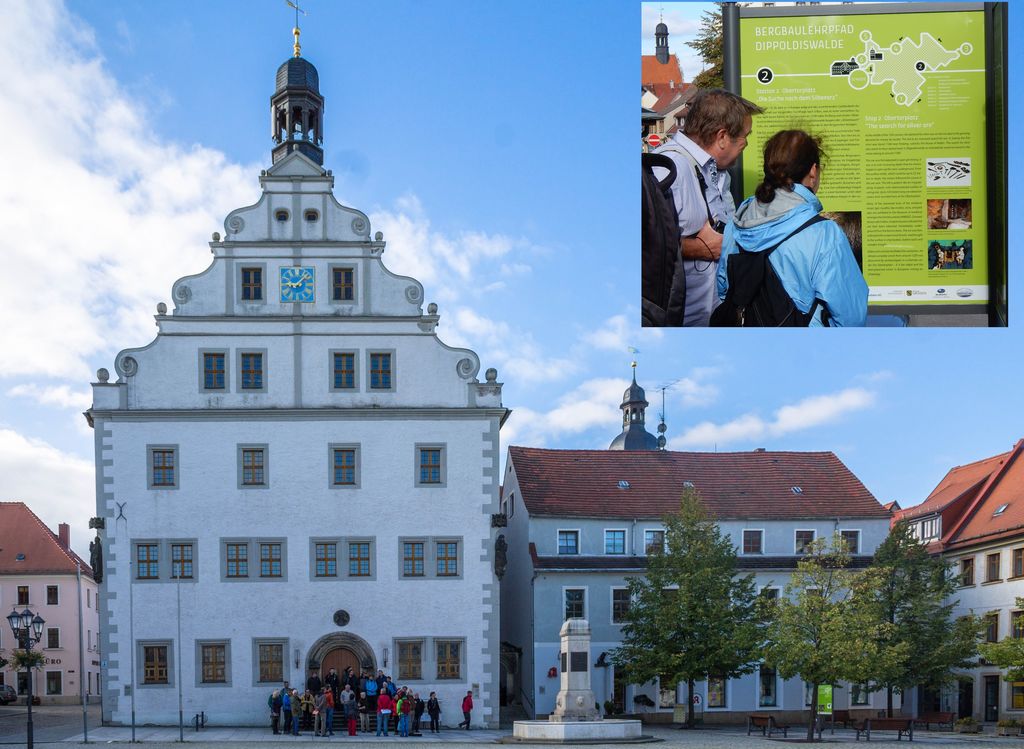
714, 135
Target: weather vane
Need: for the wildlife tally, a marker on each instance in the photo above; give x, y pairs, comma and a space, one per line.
295, 31
634, 352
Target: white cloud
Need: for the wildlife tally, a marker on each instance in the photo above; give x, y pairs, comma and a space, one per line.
617, 333
450, 267
61, 396
593, 403
820, 409
805, 414
515, 353
59, 487
99, 216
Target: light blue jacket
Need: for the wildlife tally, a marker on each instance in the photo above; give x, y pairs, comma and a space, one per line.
817, 262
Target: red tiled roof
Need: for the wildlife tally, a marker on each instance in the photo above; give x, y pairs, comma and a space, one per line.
652, 71
959, 481
22, 532
585, 483
1004, 486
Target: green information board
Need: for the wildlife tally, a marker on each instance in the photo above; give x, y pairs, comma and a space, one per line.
824, 699
898, 99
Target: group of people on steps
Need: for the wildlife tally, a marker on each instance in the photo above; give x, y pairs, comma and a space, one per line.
360, 700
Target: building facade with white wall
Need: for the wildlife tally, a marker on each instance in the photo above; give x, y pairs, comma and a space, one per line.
580, 522
296, 473
974, 518
40, 572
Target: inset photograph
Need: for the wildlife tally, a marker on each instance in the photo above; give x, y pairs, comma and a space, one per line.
948, 172
951, 213
954, 254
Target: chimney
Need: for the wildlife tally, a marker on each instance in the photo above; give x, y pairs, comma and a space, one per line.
64, 534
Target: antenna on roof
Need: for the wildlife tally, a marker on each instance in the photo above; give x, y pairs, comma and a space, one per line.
296, 31
661, 427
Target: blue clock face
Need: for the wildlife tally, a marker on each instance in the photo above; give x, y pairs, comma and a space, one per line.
297, 284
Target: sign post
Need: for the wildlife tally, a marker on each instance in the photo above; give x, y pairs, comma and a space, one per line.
898, 94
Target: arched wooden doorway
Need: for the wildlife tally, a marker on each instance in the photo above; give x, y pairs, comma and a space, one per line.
339, 659
338, 650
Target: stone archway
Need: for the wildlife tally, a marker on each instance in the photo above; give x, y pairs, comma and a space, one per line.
360, 647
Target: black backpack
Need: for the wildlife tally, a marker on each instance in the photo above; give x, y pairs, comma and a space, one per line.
756, 297
663, 286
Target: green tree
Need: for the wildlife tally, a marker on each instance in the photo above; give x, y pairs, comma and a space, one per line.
814, 632
708, 45
910, 590
690, 616
1008, 653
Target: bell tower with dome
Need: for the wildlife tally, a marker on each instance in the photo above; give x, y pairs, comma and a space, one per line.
634, 435
297, 109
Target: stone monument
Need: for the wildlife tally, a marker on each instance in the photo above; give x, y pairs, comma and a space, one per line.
576, 718
575, 700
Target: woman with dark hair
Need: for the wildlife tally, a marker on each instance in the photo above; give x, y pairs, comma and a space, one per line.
810, 256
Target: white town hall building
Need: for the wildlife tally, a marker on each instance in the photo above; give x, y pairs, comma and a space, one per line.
296, 472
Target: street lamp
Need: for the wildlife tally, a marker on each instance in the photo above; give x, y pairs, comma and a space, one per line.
28, 630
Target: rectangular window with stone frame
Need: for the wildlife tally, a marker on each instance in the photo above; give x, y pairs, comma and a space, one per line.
359, 559
52, 638
575, 603
967, 571
270, 560
252, 284
181, 561
620, 605
252, 370
753, 541
214, 660
344, 466
992, 627
410, 659
253, 466
23, 595
54, 683
52, 596
214, 371
380, 371
147, 561
162, 460
992, 567
803, 541
447, 559
271, 661
449, 659
615, 542
154, 664
326, 559
237, 560
344, 370
343, 286
412, 559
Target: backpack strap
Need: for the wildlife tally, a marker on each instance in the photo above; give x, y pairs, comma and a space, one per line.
670, 147
816, 218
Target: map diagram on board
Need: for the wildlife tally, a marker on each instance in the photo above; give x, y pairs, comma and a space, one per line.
901, 64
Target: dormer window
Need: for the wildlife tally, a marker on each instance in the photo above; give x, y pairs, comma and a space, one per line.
311, 216
281, 215
1001, 509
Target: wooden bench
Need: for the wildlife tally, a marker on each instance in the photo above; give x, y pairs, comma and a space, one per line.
900, 725
941, 718
767, 724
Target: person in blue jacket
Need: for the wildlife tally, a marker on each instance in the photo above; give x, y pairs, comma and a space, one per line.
816, 262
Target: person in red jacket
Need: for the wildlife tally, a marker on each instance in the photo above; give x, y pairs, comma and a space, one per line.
467, 708
384, 708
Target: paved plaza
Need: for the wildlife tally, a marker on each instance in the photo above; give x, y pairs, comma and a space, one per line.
62, 727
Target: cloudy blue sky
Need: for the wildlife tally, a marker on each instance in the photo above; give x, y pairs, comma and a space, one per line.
495, 146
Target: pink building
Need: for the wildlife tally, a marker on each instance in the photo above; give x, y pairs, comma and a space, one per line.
39, 571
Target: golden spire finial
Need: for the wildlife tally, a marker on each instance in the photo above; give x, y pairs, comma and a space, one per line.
296, 31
